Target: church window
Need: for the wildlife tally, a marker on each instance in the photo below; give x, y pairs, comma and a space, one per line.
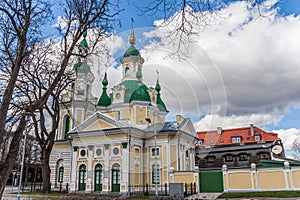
155, 174
126, 71
187, 153
98, 152
82, 153
61, 175
154, 152
116, 151
118, 96
66, 126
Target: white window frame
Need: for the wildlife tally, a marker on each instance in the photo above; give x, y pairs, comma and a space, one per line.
112, 151
236, 139
153, 156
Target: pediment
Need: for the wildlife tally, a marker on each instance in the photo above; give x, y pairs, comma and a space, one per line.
98, 121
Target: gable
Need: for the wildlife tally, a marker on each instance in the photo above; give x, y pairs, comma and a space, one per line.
188, 127
99, 125
98, 121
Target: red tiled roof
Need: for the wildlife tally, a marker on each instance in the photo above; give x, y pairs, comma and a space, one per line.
225, 138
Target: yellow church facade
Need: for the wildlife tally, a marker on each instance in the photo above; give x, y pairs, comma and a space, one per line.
122, 141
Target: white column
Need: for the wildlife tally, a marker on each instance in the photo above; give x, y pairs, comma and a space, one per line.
73, 170
125, 168
89, 184
106, 172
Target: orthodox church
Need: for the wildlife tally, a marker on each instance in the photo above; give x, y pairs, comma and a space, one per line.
119, 140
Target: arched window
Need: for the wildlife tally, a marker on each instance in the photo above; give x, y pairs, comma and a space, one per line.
155, 174
66, 127
61, 175
98, 177
81, 177
126, 71
116, 177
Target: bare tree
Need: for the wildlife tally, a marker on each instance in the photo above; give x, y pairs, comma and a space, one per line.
20, 25
296, 148
185, 19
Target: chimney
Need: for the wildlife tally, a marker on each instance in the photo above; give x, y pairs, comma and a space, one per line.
219, 130
252, 129
179, 119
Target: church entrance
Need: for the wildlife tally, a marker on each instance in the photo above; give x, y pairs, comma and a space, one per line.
98, 178
115, 178
82, 174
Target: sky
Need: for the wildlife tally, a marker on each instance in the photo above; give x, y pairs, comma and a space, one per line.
242, 69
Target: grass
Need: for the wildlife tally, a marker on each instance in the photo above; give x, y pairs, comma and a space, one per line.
281, 194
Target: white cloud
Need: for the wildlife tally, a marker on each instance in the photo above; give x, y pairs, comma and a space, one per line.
211, 122
288, 136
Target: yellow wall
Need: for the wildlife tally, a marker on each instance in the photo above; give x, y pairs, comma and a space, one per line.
296, 178
271, 180
236, 183
173, 152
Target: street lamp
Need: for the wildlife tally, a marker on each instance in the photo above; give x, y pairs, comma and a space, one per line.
155, 150
23, 157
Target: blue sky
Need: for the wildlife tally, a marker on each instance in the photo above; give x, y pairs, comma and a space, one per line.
240, 71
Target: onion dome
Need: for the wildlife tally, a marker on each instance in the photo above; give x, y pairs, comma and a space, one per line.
159, 102
83, 42
141, 93
104, 99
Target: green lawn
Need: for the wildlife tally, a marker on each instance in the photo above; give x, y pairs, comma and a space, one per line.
281, 194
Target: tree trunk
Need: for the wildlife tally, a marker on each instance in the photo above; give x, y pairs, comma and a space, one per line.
45, 174
7, 165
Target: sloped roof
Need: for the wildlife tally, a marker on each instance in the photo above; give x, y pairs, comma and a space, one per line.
225, 138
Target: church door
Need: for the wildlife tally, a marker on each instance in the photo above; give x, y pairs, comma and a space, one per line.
82, 174
116, 178
98, 178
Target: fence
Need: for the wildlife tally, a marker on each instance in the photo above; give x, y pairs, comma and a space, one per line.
262, 179
163, 189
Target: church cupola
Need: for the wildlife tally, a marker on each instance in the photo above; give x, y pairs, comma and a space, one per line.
104, 99
131, 59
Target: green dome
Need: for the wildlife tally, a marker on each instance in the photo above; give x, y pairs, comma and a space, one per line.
82, 67
140, 94
131, 51
134, 88
104, 100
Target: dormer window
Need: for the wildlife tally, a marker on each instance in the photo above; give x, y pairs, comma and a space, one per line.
257, 137
236, 139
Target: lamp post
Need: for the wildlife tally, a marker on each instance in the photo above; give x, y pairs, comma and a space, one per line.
23, 156
155, 153
22, 164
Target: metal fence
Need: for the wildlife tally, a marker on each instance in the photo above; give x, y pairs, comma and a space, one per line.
150, 189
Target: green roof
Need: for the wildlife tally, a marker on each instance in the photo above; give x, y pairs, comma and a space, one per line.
131, 51
84, 43
135, 90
